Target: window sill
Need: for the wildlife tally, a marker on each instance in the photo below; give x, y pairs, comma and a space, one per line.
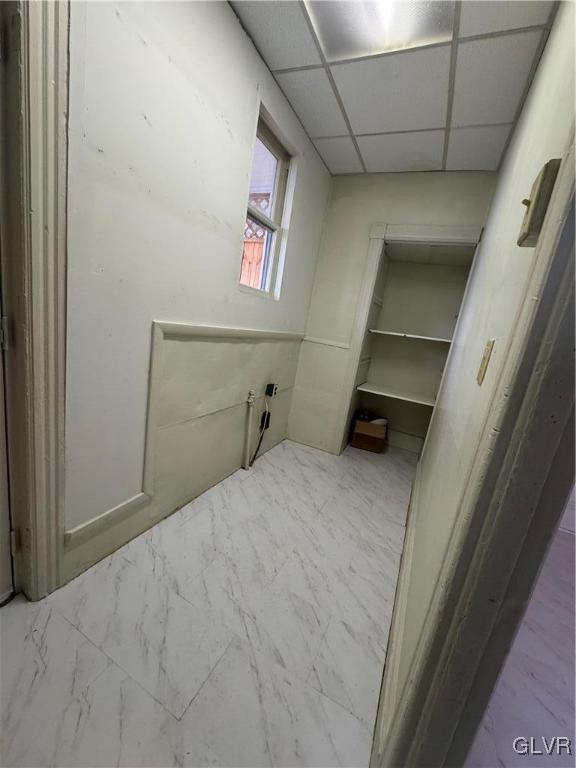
256, 292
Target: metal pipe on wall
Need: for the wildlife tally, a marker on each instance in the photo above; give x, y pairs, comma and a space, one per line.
248, 435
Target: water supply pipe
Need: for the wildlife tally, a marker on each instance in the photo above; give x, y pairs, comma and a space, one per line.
248, 434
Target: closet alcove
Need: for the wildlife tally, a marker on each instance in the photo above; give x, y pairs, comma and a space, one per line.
417, 294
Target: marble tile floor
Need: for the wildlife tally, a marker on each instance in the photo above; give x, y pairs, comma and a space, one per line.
247, 629
534, 696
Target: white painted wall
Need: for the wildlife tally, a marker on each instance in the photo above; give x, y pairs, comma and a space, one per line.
423, 299
448, 199
164, 101
498, 282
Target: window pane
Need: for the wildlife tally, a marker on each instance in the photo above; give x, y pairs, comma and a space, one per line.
264, 169
256, 255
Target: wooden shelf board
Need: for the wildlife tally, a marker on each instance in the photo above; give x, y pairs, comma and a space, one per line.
385, 391
411, 336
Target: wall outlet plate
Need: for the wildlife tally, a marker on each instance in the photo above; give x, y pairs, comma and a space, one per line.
485, 360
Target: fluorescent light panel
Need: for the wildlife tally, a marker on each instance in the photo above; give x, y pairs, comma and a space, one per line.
348, 29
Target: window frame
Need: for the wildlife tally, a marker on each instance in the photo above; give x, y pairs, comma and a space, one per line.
272, 223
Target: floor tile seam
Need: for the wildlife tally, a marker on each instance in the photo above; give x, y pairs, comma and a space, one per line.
293, 551
269, 659
379, 515
317, 654
318, 618
342, 618
293, 676
171, 584
305, 555
214, 545
339, 704
84, 638
258, 621
185, 518
117, 665
241, 606
246, 612
270, 588
208, 676
194, 578
379, 505
121, 555
365, 634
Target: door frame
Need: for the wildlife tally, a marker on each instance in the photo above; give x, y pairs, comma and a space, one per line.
6, 564
525, 461
35, 79
382, 234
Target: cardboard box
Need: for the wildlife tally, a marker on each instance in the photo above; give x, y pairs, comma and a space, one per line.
369, 436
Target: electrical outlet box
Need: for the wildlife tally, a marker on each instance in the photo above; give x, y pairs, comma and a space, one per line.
271, 390
537, 205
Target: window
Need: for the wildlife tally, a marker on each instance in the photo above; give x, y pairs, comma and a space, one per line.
262, 231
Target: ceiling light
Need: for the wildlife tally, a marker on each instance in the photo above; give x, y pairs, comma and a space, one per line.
348, 29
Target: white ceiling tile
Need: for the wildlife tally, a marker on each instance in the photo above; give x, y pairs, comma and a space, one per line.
479, 16
421, 151
490, 77
311, 95
476, 149
339, 154
398, 92
279, 31
347, 29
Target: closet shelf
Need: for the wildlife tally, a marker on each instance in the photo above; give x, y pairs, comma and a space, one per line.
386, 391
411, 336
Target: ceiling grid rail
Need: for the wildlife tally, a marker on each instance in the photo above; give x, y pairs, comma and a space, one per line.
429, 46
451, 79
332, 82
408, 130
447, 98
537, 56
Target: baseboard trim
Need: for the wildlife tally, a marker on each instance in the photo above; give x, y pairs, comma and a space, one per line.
405, 441
5, 597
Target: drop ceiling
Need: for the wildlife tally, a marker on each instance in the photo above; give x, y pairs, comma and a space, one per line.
397, 85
